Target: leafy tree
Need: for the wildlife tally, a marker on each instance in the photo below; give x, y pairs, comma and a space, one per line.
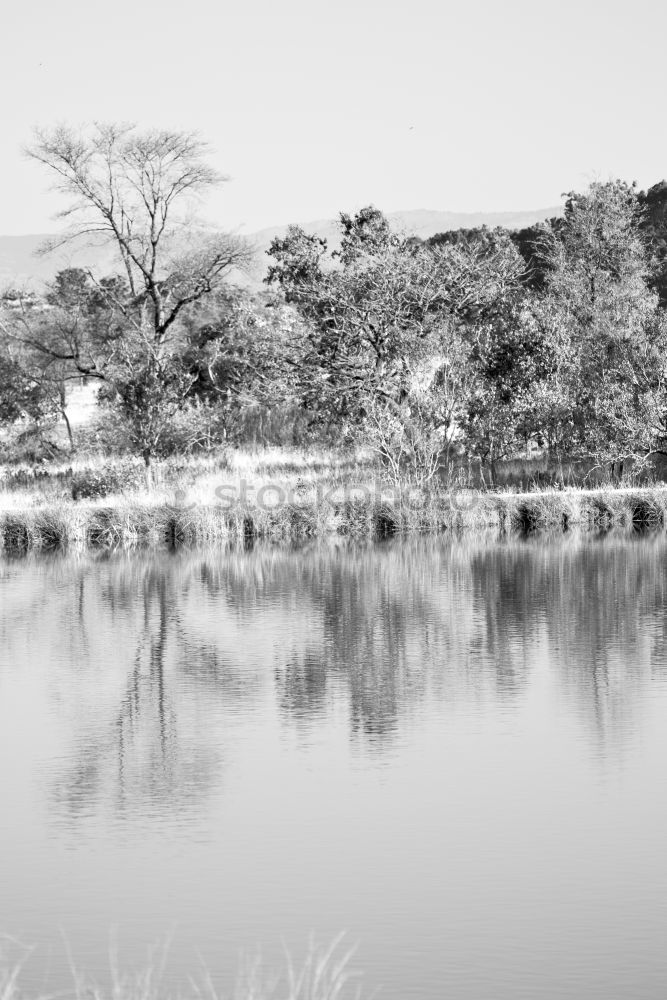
385, 324
20, 395
39, 381
415, 433
653, 222
74, 330
241, 348
367, 232
600, 282
298, 257
70, 289
520, 392
462, 237
533, 243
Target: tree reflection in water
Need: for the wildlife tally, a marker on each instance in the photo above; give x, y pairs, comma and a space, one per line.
162, 659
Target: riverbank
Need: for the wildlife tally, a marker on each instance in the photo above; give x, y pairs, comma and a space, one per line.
273, 513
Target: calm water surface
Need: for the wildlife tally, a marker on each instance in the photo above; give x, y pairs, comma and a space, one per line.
454, 751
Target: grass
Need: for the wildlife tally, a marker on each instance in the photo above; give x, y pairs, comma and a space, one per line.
324, 974
593, 509
236, 498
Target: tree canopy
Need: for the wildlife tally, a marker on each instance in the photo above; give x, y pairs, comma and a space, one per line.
481, 343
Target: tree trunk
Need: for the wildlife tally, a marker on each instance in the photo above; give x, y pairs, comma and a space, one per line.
63, 413
69, 430
148, 465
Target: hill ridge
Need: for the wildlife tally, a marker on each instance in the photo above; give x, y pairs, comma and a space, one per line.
19, 265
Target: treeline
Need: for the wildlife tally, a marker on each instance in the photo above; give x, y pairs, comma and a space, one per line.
489, 343
651, 218
477, 344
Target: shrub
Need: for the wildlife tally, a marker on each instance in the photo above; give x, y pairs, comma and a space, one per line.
92, 484
106, 434
28, 443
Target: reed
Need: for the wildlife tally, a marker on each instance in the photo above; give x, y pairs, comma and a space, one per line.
9, 982
325, 973
13, 956
151, 521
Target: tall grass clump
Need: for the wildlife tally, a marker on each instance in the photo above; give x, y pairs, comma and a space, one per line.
9, 982
56, 528
11, 966
647, 509
638, 508
294, 522
16, 532
371, 514
324, 974
193, 525
538, 511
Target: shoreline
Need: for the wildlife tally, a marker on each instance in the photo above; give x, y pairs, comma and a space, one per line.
143, 522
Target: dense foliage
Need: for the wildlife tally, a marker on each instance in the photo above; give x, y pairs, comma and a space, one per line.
485, 342
472, 344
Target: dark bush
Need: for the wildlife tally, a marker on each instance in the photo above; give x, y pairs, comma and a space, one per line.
91, 484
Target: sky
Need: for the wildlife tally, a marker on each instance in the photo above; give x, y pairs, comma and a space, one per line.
313, 107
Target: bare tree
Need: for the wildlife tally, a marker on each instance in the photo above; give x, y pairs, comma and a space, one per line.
134, 189
137, 190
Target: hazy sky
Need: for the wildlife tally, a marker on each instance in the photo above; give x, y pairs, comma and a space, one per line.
316, 107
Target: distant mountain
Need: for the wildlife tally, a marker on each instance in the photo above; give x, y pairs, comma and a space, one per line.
425, 223
420, 222
20, 264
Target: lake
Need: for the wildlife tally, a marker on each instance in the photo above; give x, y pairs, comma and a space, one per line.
452, 750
